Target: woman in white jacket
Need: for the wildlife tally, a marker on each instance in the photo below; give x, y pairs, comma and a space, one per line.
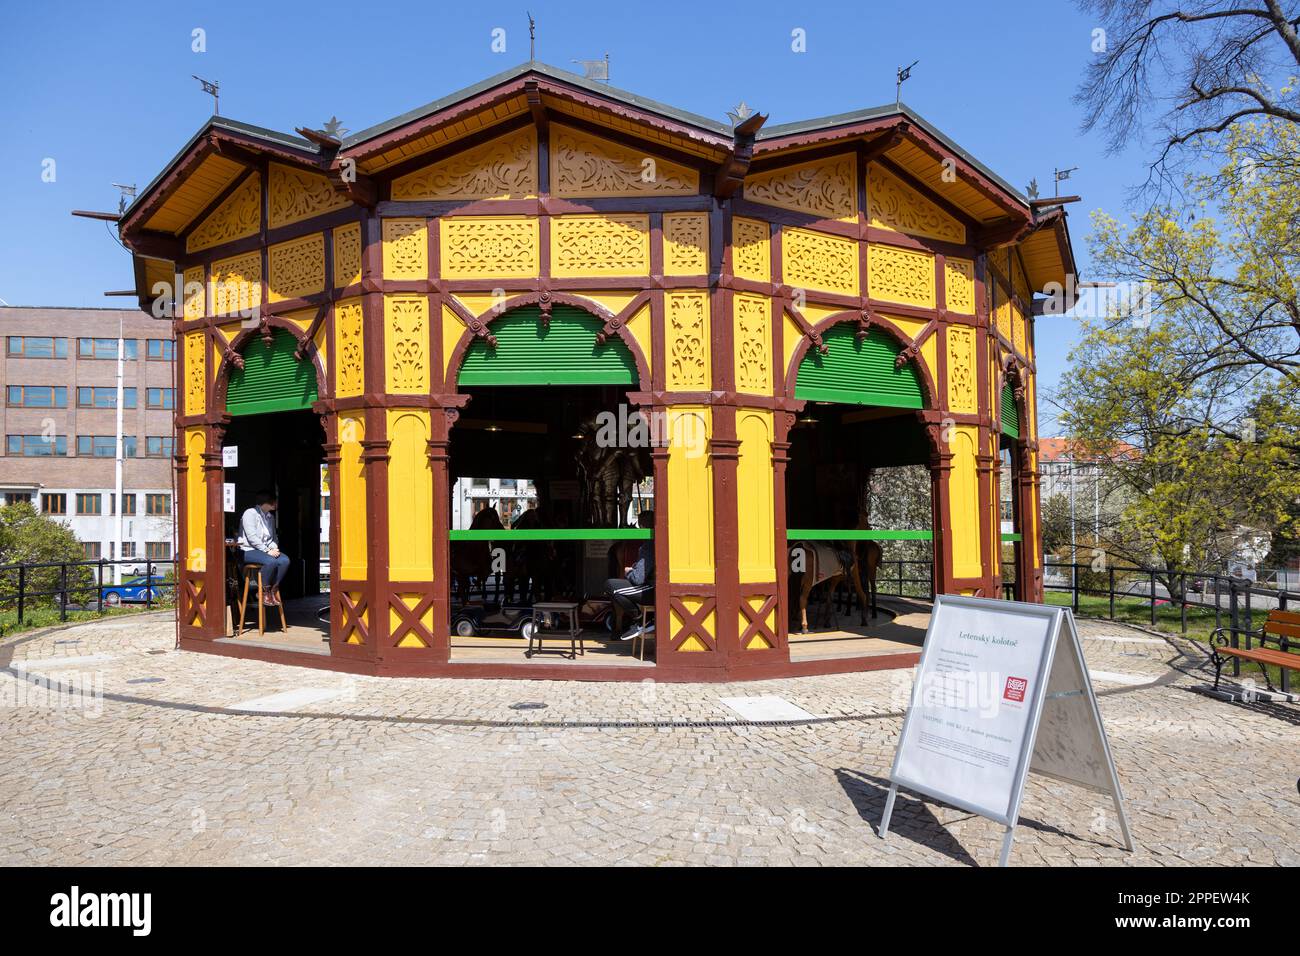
257, 539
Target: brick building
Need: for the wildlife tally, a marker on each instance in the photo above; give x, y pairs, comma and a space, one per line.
59, 370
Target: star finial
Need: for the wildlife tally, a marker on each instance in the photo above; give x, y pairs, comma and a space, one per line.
334, 128
739, 113
1033, 188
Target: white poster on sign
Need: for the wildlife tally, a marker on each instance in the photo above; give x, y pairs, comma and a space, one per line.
228, 496
1001, 690
230, 456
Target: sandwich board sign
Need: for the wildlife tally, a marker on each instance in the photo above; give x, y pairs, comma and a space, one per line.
1001, 691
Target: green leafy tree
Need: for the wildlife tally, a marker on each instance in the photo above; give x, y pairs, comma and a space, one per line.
30, 538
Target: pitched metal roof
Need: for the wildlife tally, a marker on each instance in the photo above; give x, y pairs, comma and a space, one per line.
533, 67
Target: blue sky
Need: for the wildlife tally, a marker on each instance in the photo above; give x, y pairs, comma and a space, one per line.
105, 90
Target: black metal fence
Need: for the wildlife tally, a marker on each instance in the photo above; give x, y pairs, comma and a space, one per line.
1239, 605
71, 586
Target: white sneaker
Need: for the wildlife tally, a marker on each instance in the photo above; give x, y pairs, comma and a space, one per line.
630, 633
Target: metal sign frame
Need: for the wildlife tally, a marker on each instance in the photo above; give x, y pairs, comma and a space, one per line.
1059, 622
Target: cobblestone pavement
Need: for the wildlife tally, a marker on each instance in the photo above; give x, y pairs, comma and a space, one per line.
118, 749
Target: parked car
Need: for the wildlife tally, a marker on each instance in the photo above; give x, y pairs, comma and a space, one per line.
132, 591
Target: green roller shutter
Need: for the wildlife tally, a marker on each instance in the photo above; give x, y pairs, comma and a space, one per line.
1010, 414
858, 371
563, 353
272, 380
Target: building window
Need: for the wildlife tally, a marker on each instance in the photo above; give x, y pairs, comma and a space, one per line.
28, 446
96, 396
163, 350
37, 396
158, 446
157, 504
54, 504
158, 550
36, 346
105, 349
324, 550
18, 497
128, 504
105, 446
160, 398
89, 504
128, 549
92, 549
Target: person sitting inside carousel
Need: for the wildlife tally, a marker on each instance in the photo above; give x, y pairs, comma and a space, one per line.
636, 587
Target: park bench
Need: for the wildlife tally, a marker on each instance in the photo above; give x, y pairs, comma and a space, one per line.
1281, 627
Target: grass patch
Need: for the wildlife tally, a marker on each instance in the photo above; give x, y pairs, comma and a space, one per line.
1200, 622
38, 617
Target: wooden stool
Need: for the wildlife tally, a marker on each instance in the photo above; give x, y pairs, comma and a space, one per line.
547, 612
254, 571
639, 639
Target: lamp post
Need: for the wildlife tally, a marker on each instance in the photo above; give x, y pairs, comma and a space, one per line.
117, 477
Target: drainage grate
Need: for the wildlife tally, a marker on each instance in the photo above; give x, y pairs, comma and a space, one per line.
528, 705
146, 680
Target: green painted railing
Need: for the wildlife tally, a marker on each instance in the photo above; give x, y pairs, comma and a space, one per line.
553, 534
872, 534
852, 534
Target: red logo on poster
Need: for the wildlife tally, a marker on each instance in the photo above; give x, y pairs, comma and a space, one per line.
1016, 687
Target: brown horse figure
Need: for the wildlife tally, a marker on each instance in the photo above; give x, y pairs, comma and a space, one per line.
825, 564
473, 559
836, 567
531, 564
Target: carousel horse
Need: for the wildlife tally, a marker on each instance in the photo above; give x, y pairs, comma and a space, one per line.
824, 563
472, 560
530, 564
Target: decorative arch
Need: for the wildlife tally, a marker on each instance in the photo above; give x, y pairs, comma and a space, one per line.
576, 314
865, 324
232, 357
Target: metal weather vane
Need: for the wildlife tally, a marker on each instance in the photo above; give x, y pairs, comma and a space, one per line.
213, 89
904, 72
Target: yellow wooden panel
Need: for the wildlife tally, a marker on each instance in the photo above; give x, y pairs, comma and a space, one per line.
686, 243
751, 254
901, 275
489, 247
452, 330
238, 216
755, 501
406, 249
349, 347
611, 245
502, 168
296, 267
195, 375
349, 498
196, 500
959, 285
817, 260
410, 496
893, 204
686, 339
586, 165
639, 326
195, 297
690, 503
347, 255
752, 331
963, 499
826, 188
406, 343
295, 194
236, 285
962, 370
